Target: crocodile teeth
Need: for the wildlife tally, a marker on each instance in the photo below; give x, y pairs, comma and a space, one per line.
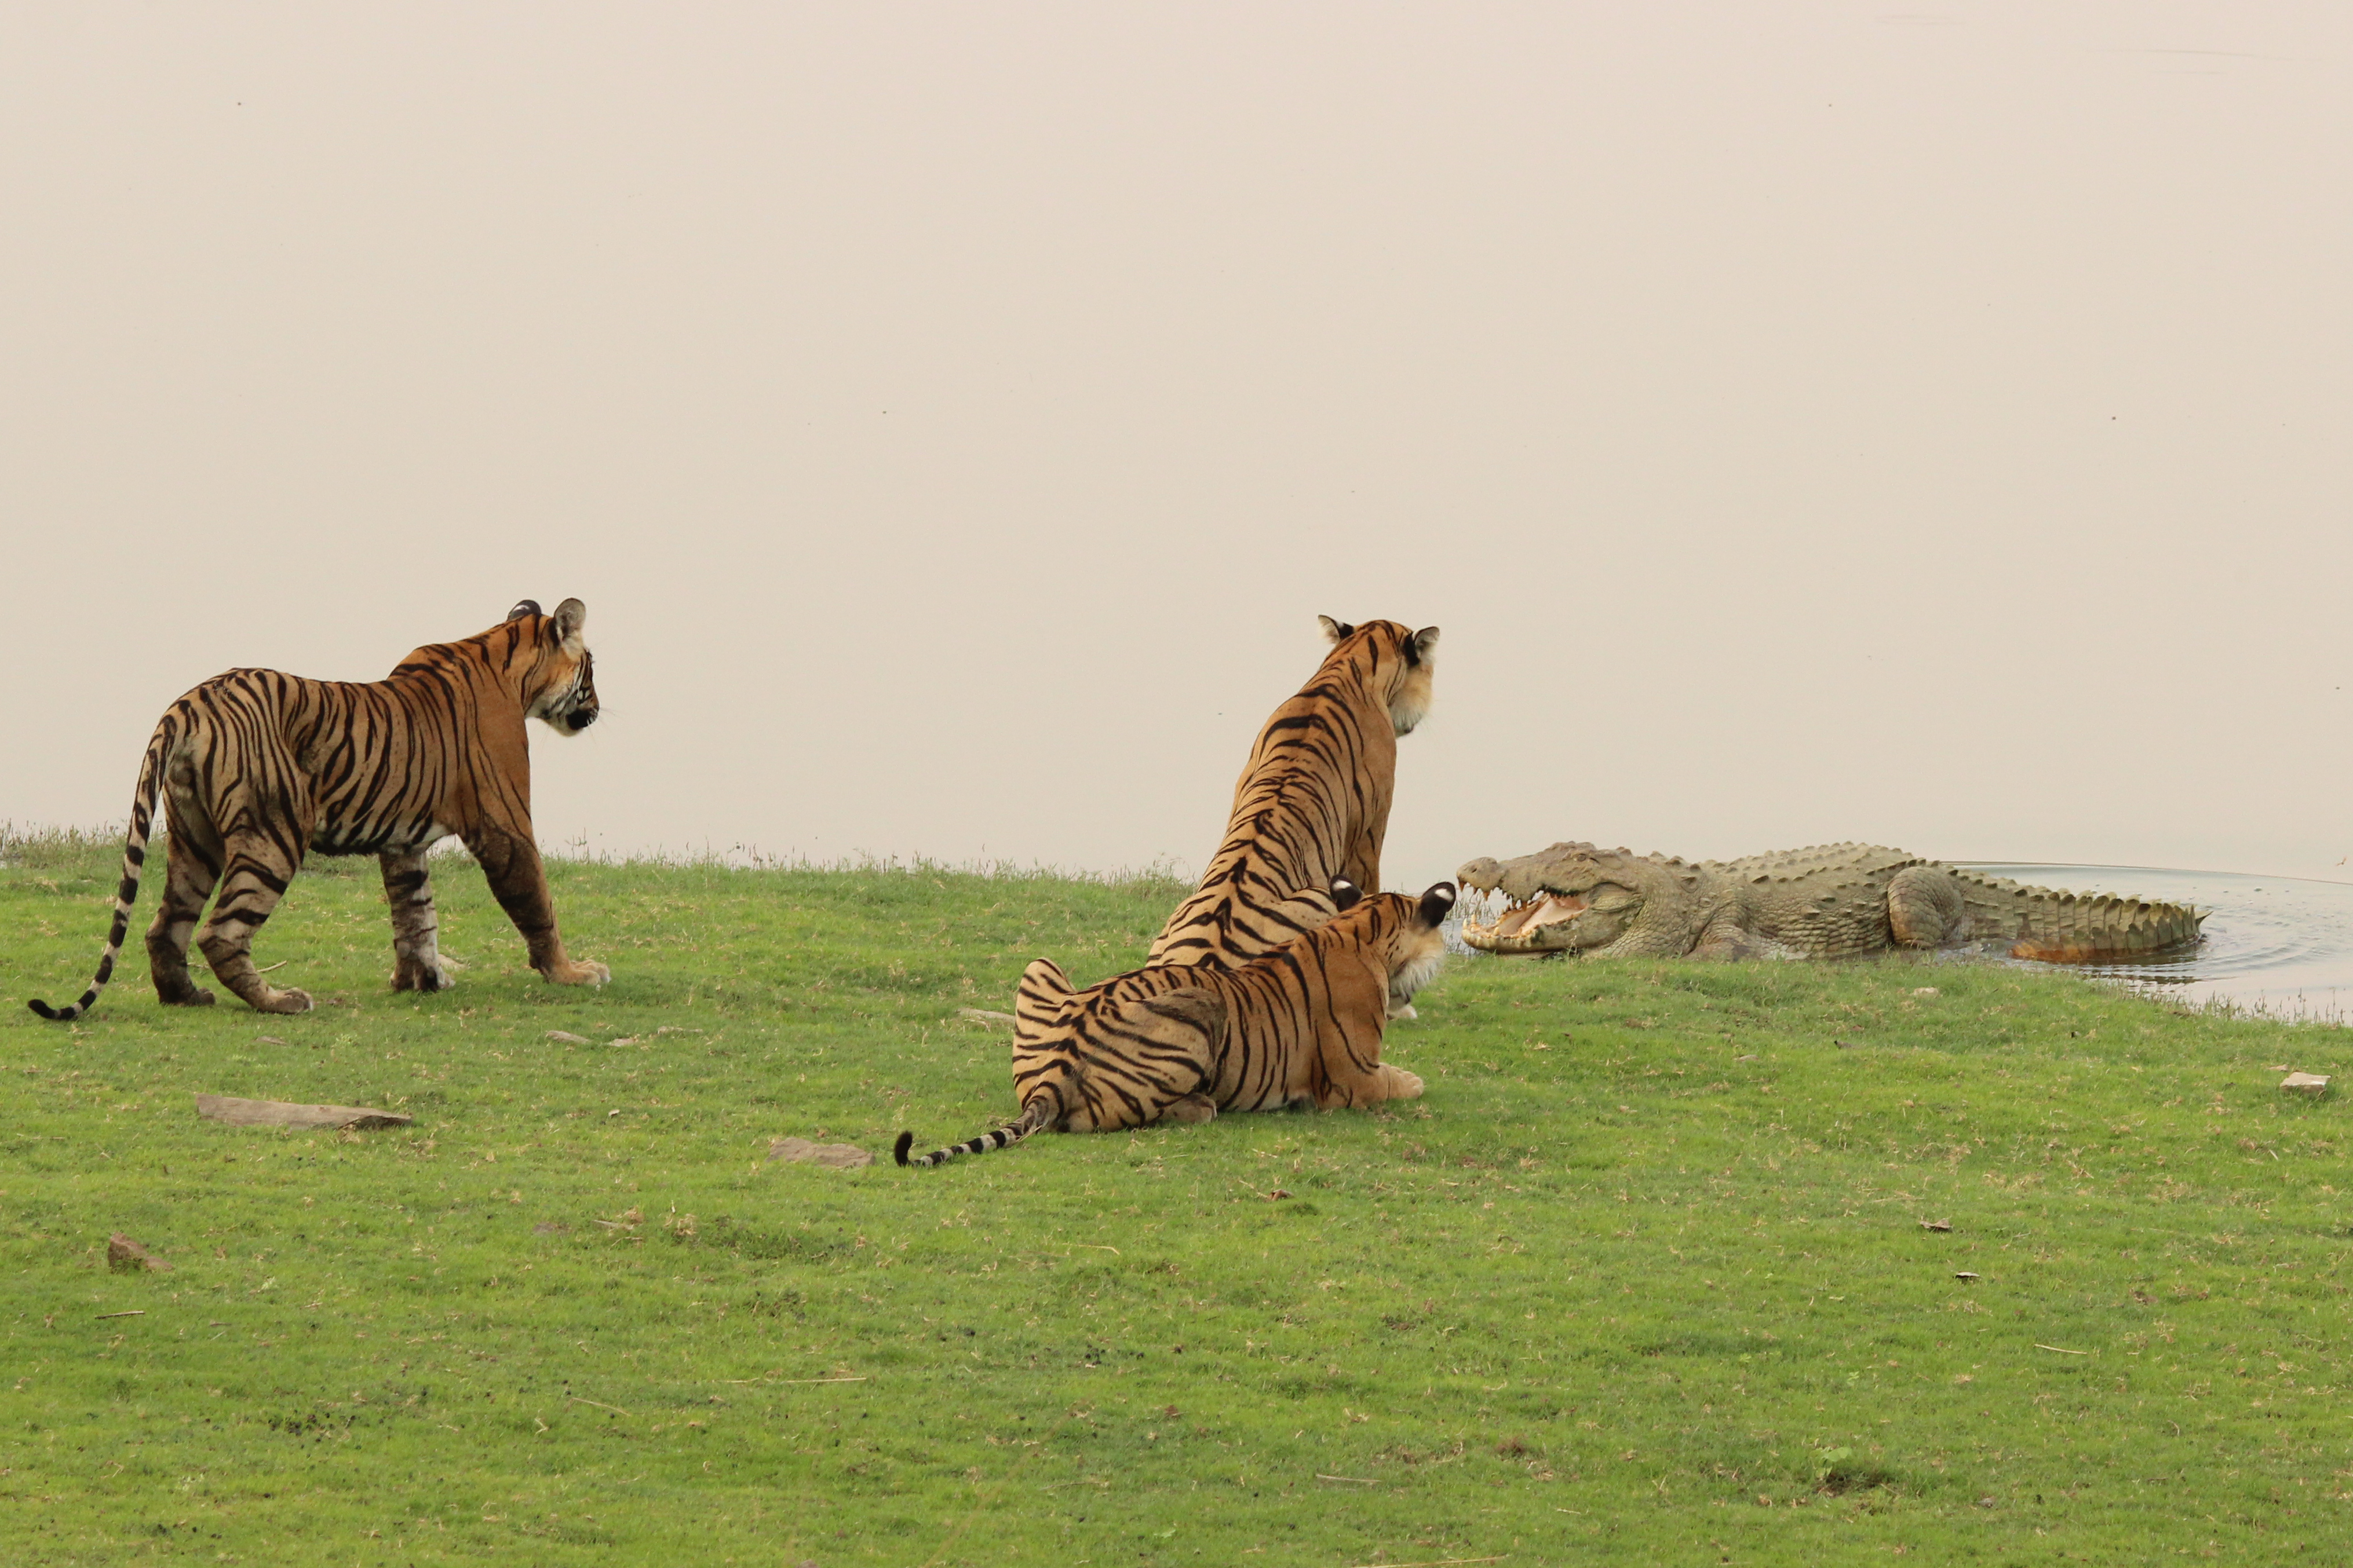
1528, 916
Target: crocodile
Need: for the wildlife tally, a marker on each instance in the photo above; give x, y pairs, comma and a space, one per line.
1832, 901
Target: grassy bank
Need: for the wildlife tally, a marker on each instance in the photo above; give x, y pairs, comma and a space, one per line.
1642, 1278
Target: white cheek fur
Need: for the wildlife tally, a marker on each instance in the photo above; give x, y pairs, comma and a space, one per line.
1418, 970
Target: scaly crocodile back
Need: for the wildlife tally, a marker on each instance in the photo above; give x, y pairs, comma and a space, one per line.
1832, 864
2051, 924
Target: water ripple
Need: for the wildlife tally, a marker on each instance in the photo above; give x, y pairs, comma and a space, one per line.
2282, 945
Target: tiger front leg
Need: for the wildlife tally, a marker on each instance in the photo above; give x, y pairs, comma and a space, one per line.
415, 928
518, 880
1383, 1082
1344, 1065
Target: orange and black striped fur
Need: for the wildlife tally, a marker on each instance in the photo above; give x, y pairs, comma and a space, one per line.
1312, 803
255, 768
1180, 1043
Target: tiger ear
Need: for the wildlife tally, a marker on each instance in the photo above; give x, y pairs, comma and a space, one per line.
1346, 895
570, 616
524, 607
1337, 631
1436, 904
1420, 646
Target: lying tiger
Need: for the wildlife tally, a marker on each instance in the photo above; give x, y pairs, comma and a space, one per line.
259, 768
1180, 1043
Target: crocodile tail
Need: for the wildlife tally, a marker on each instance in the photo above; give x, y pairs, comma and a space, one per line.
134, 857
2097, 927
1037, 1114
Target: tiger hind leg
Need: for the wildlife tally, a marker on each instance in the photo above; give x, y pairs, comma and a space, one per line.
1191, 1109
415, 928
192, 868
252, 881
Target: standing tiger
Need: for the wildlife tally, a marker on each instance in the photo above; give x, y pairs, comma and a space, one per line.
258, 767
1313, 802
1301, 1025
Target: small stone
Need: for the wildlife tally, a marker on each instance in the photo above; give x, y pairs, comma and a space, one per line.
566, 1037
239, 1113
834, 1156
2314, 1083
122, 1252
1925, 991
1936, 1224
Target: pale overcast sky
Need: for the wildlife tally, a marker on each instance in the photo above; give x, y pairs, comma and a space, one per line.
1918, 423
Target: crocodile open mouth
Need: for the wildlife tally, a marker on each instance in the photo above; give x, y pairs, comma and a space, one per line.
1520, 927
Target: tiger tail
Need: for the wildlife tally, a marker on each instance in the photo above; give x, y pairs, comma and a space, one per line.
134, 857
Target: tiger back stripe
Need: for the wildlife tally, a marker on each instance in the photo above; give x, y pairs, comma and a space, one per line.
134, 860
1311, 803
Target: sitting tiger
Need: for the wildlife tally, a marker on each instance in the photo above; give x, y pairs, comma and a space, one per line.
260, 767
1313, 802
1180, 1043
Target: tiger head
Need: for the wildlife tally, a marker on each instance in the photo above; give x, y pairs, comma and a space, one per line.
1393, 661
1403, 935
550, 663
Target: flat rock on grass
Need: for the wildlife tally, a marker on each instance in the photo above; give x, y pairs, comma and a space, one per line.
283, 1113
122, 1252
838, 1156
2306, 1082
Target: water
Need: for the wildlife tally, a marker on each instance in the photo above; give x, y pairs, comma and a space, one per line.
2281, 946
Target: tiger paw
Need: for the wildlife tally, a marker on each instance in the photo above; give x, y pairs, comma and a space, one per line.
1402, 1010
194, 996
413, 977
579, 972
287, 1001
1401, 1084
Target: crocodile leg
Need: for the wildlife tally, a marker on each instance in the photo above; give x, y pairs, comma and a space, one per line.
1925, 908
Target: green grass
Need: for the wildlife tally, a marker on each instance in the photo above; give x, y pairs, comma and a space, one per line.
1642, 1278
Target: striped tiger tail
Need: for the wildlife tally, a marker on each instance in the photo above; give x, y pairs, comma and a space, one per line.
1038, 1113
1039, 1010
134, 857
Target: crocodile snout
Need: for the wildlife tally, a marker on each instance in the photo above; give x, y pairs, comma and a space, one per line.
1481, 874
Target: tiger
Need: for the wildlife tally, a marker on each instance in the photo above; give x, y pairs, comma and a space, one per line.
256, 767
1180, 1043
1313, 802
